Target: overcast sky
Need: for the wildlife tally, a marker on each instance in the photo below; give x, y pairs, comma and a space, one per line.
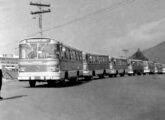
105, 26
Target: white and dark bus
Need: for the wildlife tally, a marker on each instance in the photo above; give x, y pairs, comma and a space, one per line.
47, 60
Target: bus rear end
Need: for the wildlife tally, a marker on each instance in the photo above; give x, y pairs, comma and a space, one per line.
112, 70
146, 67
38, 60
87, 73
163, 68
151, 67
130, 67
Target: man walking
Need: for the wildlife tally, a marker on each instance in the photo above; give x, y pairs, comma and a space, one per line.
1, 76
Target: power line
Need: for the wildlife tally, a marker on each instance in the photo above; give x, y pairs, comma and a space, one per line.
112, 7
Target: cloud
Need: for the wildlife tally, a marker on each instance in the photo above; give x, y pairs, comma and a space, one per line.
148, 31
143, 37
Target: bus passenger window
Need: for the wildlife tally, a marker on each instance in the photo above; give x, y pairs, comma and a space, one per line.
78, 56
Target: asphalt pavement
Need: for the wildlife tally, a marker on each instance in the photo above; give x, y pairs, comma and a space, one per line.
121, 98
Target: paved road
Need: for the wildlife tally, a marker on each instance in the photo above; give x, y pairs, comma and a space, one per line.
122, 98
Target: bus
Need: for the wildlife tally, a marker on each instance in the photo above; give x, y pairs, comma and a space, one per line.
47, 60
95, 65
158, 67
112, 70
146, 67
137, 66
163, 68
151, 65
121, 66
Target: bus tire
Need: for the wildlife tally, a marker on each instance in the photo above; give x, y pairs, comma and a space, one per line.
66, 75
101, 76
73, 80
32, 83
50, 82
110, 75
115, 75
87, 78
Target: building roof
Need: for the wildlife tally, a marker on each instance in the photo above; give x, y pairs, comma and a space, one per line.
138, 55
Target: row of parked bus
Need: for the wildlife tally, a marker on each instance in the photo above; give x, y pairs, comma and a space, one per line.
115, 66
47, 60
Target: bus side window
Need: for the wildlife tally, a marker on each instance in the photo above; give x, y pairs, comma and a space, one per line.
77, 56
62, 53
100, 59
90, 59
66, 54
87, 58
114, 62
80, 56
74, 54
69, 54
94, 59
104, 60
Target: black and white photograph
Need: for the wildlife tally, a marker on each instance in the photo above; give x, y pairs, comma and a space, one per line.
82, 59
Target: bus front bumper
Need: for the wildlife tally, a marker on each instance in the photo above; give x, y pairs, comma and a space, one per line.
41, 76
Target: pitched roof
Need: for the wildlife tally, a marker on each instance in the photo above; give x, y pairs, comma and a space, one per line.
139, 55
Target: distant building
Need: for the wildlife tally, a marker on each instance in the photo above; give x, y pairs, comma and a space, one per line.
9, 61
9, 64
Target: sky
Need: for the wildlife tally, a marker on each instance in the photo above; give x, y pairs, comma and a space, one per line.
95, 26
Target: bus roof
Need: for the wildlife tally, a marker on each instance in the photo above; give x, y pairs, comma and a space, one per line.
95, 54
45, 40
35, 40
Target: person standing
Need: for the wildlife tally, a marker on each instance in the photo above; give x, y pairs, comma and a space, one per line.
1, 76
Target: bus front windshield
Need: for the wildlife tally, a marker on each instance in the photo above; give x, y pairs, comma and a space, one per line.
38, 51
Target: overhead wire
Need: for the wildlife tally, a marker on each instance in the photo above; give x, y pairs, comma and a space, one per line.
112, 7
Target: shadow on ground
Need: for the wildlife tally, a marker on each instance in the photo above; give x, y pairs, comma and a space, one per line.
67, 83
61, 85
14, 97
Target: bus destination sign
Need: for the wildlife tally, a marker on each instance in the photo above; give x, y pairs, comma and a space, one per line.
37, 40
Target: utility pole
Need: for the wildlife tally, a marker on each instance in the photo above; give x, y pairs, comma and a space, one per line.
126, 52
40, 12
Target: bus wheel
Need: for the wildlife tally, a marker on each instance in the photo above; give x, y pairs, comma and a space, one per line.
101, 76
62, 81
121, 75
129, 74
115, 75
110, 75
88, 77
50, 82
32, 83
74, 80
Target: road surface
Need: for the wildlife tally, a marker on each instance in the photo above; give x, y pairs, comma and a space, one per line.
122, 98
